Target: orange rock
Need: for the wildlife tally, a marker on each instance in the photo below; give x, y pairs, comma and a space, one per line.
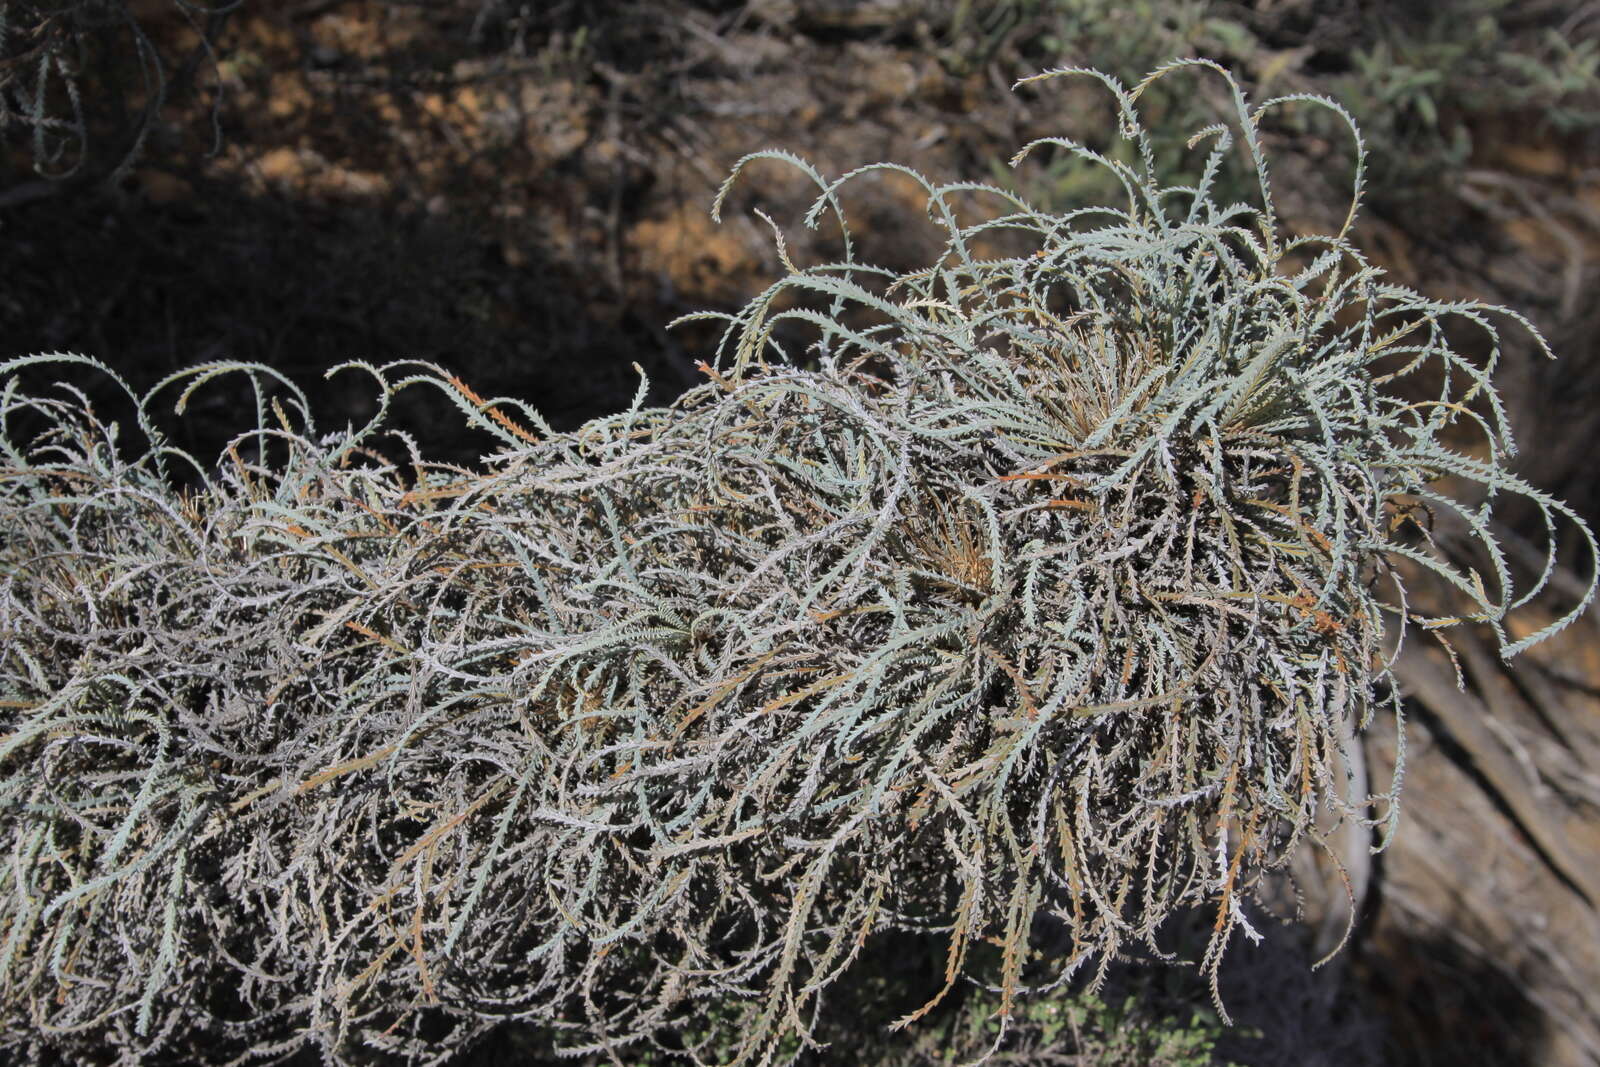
281, 165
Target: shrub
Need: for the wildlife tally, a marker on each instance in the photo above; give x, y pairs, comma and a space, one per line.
1036, 600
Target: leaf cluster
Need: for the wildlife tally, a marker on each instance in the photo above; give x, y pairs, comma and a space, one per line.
1036, 601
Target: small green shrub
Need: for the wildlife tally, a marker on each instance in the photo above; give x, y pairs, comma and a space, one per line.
1034, 601
1104, 1035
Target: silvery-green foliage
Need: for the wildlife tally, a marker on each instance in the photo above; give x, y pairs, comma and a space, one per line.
1037, 600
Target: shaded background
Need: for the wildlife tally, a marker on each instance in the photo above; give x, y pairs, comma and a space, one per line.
519, 192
